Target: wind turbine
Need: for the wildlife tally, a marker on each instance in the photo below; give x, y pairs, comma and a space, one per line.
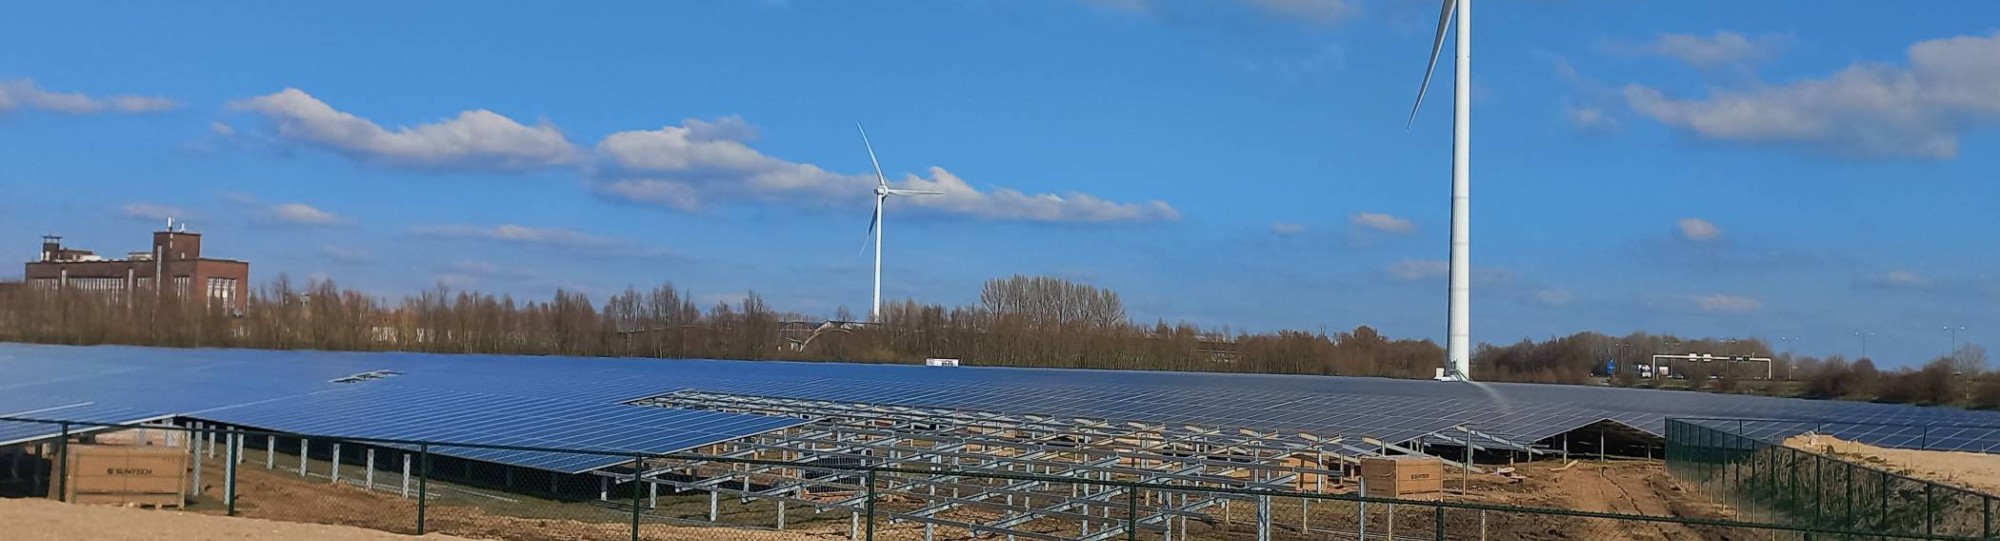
1458, 337
882, 193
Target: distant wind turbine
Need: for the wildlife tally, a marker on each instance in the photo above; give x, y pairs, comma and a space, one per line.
1458, 337
882, 193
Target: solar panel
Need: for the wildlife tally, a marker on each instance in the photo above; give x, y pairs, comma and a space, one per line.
578, 402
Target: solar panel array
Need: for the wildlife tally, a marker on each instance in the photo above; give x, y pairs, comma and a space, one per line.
538, 400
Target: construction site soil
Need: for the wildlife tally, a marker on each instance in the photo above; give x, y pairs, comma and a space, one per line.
269, 500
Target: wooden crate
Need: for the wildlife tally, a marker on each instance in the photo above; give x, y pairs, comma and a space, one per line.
1403, 476
124, 475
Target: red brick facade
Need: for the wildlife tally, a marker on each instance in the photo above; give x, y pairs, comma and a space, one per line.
174, 264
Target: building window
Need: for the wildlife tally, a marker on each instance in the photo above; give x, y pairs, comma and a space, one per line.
224, 290
182, 285
113, 285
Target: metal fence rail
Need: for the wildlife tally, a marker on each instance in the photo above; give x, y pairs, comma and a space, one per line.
417, 486
1745, 462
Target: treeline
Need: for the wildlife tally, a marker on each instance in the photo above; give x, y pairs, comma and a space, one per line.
1958, 378
1020, 321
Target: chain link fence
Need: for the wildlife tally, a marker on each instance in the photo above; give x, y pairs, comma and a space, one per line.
1746, 462
490, 491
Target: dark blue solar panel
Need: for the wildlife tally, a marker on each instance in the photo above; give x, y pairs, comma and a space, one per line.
576, 401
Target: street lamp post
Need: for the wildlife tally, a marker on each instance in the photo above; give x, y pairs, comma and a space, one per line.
1954, 339
1791, 364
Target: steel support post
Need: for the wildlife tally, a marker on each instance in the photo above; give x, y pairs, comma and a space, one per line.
870, 504
230, 463
195, 442
423, 483
1263, 518
62, 465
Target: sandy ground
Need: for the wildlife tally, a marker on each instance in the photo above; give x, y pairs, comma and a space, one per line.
1976, 471
282, 496
43, 520
1627, 487
1619, 486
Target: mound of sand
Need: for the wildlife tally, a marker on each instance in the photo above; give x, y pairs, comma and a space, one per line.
1975, 471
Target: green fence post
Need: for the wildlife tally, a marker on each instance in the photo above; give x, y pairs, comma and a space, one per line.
1882, 485
62, 465
1986, 517
1930, 522
638, 468
1849, 521
1439, 528
423, 483
870, 504
1819, 489
1132, 512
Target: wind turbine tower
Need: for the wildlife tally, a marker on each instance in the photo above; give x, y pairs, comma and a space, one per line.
1458, 335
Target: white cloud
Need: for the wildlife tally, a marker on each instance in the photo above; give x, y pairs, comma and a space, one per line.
1316, 11
667, 193
1554, 297
457, 281
1590, 118
546, 236
341, 254
1123, 5
1383, 222
683, 166
1949, 86
679, 167
1413, 270
1698, 230
1719, 49
1728, 303
25, 94
473, 267
1322, 11
1286, 229
1013, 205
477, 139
1900, 278
300, 214
151, 212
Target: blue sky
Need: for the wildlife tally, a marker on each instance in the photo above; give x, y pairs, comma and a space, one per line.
1698, 167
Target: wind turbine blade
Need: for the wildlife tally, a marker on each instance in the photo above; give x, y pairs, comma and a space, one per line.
872, 217
1437, 44
900, 191
880, 179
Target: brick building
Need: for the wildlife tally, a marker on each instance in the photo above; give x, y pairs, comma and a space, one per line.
174, 264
